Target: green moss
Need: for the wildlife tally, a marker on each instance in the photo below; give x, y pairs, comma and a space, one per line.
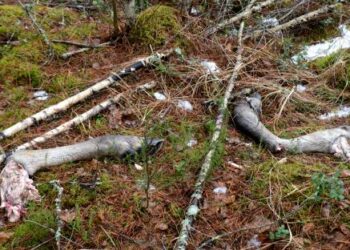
105, 182
77, 32
156, 25
325, 62
61, 83
10, 21
15, 70
53, 17
34, 230
77, 196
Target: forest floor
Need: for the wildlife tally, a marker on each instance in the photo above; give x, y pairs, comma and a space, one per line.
270, 199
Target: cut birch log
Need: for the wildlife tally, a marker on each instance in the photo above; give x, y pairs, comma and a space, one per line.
246, 13
16, 188
193, 208
67, 103
301, 19
78, 119
331, 141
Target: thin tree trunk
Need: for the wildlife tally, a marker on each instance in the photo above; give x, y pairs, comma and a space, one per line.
65, 104
193, 208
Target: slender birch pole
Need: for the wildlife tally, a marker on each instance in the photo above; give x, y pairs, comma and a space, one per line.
67, 103
246, 13
301, 19
193, 208
78, 119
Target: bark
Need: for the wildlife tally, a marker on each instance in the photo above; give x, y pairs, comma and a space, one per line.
16, 188
246, 13
193, 208
78, 119
301, 19
67, 103
331, 141
116, 30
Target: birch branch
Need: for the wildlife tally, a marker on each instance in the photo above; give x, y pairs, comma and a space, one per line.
67, 103
246, 13
193, 208
78, 119
301, 19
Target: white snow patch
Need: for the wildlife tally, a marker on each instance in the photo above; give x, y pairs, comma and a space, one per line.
326, 48
343, 111
159, 96
270, 22
192, 210
41, 95
210, 67
185, 105
192, 142
138, 167
220, 190
254, 242
301, 88
194, 11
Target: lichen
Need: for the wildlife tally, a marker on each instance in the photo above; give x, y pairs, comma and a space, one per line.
156, 25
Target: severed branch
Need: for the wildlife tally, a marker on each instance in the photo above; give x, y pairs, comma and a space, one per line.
16, 188
246, 13
193, 208
332, 141
301, 19
67, 103
58, 203
78, 119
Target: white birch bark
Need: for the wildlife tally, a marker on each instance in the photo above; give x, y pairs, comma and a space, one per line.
67, 103
246, 13
301, 19
193, 208
78, 119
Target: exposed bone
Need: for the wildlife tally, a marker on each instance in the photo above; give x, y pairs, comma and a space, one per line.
67, 103
78, 119
197, 195
332, 141
16, 188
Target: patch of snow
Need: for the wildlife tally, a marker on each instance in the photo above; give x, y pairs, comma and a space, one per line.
270, 22
301, 88
326, 48
210, 67
192, 210
185, 105
41, 95
220, 190
194, 11
343, 111
192, 142
159, 96
138, 167
254, 242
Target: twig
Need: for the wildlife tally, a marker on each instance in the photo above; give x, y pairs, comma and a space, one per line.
301, 19
27, 8
58, 202
74, 52
67, 103
82, 44
109, 237
246, 13
193, 208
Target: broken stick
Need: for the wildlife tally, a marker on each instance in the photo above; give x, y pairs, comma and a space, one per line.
67, 103
301, 19
193, 208
78, 119
246, 13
